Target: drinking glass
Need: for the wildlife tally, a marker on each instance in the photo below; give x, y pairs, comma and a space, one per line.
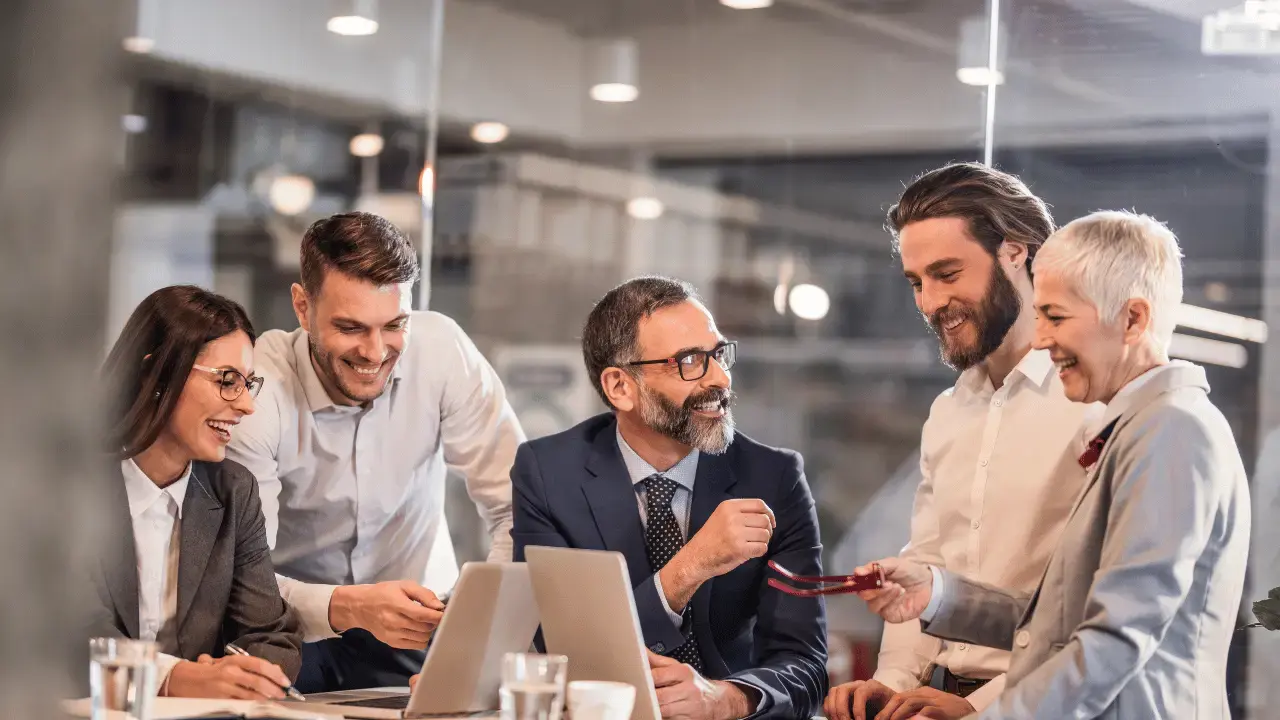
533, 686
122, 678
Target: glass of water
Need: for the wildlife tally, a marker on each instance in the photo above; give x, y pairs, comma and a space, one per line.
122, 678
533, 686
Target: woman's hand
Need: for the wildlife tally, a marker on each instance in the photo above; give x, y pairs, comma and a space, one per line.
234, 677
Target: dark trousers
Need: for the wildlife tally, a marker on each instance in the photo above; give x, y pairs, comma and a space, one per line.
355, 661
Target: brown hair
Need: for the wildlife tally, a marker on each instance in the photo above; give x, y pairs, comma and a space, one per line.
996, 206
359, 244
612, 330
147, 368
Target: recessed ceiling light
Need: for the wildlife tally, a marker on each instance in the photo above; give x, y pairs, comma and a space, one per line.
746, 4
809, 302
489, 132
352, 25
614, 92
291, 194
979, 76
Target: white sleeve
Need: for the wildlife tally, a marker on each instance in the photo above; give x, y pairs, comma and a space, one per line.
480, 435
255, 443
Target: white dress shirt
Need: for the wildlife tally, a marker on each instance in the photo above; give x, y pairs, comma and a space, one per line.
355, 495
157, 528
1000, 475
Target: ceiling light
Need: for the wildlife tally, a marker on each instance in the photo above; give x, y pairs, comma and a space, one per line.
1216, 352
1220, 323
489, 132
427, 183
291, 194
366, 145
361, 19
979, 76
614, 69
809, 302
746, 4
645, 208
139, 45
973, 56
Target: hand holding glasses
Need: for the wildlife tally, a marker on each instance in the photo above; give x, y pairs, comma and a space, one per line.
826, 584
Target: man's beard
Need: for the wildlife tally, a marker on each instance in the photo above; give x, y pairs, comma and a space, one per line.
680, 423
328, 365
992, 319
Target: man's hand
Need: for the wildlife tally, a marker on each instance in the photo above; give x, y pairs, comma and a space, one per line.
400, 613
906, 592
858, 700
683, 694
736, 532
928, 702
413, 682
235, 677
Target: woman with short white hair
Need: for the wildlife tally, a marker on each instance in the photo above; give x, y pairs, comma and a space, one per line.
1134, 615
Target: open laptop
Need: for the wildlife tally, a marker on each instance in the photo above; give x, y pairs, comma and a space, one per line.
589, 614
492, 612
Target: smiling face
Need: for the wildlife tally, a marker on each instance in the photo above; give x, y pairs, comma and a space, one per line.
1091, 355
964, 295
202, 421
357, 331
695, 413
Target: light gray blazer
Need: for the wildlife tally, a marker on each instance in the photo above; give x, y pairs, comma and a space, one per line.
1136, 609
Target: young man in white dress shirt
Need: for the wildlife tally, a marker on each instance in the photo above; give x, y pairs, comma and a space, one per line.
999, 448
367, 406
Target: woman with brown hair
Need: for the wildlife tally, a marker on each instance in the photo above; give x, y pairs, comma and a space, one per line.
193, 572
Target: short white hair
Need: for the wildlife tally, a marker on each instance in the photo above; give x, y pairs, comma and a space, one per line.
1112, 256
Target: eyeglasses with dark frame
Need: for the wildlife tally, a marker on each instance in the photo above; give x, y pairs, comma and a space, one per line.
232, 384
826, 584
693, 364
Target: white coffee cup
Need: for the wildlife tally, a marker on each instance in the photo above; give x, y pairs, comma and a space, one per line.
599, 700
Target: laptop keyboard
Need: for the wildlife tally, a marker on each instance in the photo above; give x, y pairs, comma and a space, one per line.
391, 702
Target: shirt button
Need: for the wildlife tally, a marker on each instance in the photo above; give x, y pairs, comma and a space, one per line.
975, 525
964, 646
998, 403
1023, 639
983, 463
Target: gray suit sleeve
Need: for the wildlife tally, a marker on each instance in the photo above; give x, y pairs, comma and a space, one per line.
1165, 489
976, 613
257, 618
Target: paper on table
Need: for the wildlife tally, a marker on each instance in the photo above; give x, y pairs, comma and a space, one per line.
165, 708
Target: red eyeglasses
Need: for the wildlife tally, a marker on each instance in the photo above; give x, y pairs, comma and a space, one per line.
826, 584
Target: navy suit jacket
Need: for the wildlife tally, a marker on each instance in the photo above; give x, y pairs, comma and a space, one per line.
573, 490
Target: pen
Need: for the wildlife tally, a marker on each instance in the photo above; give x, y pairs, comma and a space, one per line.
289, 690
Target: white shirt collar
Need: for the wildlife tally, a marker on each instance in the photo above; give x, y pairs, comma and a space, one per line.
1035, 366
143, 493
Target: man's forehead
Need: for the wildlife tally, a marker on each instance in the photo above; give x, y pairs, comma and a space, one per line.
677, 327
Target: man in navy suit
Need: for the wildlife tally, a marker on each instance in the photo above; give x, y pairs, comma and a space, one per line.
697, 509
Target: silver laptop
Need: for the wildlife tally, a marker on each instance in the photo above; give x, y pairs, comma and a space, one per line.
589, 614
492, 612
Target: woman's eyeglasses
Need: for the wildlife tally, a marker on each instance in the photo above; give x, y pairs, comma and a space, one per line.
231, 384
826, 584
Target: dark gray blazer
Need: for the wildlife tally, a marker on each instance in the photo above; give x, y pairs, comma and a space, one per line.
1134, 616
227, 588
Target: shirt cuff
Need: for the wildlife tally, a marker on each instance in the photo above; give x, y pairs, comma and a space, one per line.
311, 603
896, 680
755, 696
164, 666
676, 618
935, 597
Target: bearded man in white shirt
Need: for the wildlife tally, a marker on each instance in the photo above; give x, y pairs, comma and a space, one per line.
998, 452
371, 404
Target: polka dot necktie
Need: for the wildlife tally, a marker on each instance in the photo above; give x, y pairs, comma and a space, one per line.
662, 540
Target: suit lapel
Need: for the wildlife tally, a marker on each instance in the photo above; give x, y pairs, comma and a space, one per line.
201, 520
613, 503
120, 562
